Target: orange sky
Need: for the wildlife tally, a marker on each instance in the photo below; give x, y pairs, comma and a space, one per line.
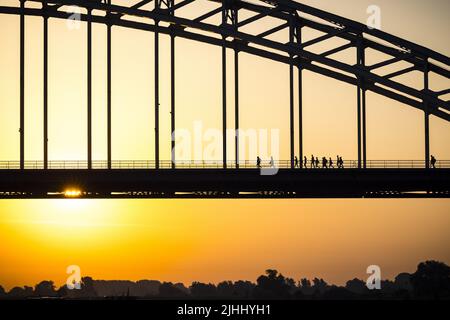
211, 240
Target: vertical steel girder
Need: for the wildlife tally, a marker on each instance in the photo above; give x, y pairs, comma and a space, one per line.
172, 97
236, 94
224, 106
157, 7
300, 101
293, 37
362, 150
22, 85
108, 91
172, 87
236, 105
89, 89
361, 105
169, 4
229, 17
45, 86
427, 117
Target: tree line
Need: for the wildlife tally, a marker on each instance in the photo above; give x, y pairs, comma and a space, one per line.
431, 280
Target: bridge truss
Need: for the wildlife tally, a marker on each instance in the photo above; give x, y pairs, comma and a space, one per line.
230, 33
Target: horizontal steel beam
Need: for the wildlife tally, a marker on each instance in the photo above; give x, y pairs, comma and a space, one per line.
287, 183
400, 72
232, 44
290, 49
273, 30
208, 15
337, 49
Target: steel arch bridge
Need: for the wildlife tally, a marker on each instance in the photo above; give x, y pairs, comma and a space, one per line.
363, 180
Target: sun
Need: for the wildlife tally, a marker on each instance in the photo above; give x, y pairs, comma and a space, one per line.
72, 193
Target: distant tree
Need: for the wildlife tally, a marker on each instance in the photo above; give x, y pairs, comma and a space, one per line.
202, 290
244, 289
356, 286
2, 292
225, 289
20, 293
305, 287
272, 286
431, 280
45, 289
304, 283
169, 290
87, 288
292, 285
146, 288
338, 293
388, 289
319, 286
62, 292
403, 282
16, 292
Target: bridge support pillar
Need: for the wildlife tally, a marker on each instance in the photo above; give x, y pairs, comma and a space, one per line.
172, 96
108, 93
45, 85
364, 135
300, 115
361, 111
300, 101
427, 117
229, 13
170, 6
236, 105
157, 96
291, 112
89, 89
292, 39
224, 104
235, 21
22, 85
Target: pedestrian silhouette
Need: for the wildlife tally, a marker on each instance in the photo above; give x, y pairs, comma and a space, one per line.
341, 162
312, 161
258, 162
331, 163
305, 162
271, 162
296, 162
317, 162
324, 163
433, 162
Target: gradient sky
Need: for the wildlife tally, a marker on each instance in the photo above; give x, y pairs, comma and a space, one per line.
212, 240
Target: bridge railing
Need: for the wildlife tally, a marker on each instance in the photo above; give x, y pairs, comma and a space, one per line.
213, 164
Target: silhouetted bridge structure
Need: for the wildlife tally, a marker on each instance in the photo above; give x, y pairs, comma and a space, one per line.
237, 178
208, 179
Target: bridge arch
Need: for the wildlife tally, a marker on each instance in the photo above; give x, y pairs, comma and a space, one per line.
293, 16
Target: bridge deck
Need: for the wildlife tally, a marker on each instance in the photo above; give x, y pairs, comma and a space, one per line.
224, 183
211, 164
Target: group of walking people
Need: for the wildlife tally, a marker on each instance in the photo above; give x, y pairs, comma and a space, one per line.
315, 163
